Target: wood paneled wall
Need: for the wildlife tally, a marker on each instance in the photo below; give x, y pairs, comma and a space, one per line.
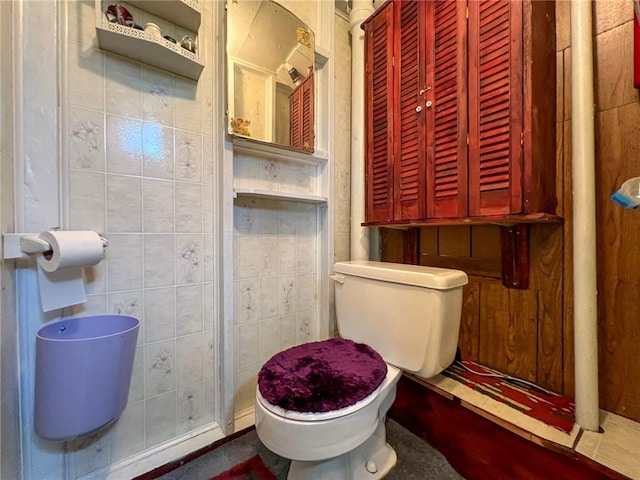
529, 333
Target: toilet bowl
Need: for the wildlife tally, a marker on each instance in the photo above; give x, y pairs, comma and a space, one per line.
405, 317
339, 444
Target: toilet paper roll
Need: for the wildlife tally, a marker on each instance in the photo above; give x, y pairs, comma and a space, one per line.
70, 249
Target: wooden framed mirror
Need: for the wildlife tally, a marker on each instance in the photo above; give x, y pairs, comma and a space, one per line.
270, 55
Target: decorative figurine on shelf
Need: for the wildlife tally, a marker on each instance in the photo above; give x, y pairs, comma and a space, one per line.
116, 13
240, 126
188, 43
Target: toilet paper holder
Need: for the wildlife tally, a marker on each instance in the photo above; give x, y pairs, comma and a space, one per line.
23, 245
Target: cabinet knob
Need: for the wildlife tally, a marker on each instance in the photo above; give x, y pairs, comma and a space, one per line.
429, 103
418, 109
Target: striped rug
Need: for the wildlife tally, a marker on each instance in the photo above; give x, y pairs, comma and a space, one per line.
551, 408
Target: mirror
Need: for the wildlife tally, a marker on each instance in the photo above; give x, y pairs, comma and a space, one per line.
270, 74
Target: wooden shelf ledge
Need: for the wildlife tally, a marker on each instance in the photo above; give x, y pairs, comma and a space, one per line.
502, 220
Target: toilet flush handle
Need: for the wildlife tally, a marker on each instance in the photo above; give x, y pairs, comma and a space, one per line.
337, 278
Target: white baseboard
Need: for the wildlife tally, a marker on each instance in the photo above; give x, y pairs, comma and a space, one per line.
158, 456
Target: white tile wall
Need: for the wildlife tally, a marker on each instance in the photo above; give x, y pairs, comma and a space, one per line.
140, 169
275, 283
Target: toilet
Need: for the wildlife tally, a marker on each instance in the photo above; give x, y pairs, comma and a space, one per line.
324, 404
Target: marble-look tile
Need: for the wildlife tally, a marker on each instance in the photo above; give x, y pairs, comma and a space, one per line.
136, 387
247, 301
287, 331
187, 112
190, 359
246, 383
306, 181
127, 303
248, 345
245, 216
305, 292
189, 259
247, 257
86, 147
190, 407
87, 201
124, 145
287, 219
158, 260
268, 255
307, 219
188, 208
86, 75
247, 171
189, 309
269, 339
160, 419
123, 82
127, 434
286, 254
188, 156
269, 217
287, 296
306, 255
159, 314
270, 175
124, 262
157, 96
269, 298
157, 151
158, 201
305, 326
288, 181
124, 204
159, 368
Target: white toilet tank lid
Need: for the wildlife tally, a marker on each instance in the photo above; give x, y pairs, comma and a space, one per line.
418, 275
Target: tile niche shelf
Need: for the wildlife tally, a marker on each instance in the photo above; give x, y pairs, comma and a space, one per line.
141, 46
277, 195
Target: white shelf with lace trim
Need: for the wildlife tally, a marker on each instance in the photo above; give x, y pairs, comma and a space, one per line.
144, 47
277, 195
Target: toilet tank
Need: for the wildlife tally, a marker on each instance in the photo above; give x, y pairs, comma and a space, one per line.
409, 314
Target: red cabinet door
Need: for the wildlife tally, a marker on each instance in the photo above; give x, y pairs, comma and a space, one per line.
447, 111
379, 101
495, 107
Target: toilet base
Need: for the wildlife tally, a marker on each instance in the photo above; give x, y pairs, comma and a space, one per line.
372, 460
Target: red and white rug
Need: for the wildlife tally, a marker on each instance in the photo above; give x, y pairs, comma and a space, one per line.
553, 409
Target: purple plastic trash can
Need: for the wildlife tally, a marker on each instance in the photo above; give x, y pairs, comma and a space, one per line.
83, 372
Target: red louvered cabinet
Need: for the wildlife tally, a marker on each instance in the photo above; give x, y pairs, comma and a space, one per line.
301, 114
460, 112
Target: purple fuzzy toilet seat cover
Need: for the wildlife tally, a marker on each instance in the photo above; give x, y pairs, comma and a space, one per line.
321, 376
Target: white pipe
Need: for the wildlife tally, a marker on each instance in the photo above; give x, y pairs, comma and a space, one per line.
585, 312
360, 11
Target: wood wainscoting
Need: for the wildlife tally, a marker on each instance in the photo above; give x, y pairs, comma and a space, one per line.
479, 449
519, 332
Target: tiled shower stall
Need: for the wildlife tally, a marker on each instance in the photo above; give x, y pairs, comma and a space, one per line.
135, 153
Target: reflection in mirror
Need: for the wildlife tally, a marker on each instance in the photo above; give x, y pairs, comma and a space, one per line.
271, 55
